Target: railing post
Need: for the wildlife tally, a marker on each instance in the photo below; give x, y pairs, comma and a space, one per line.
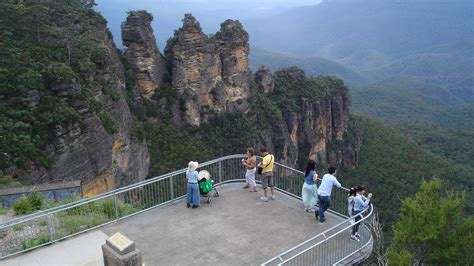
116, 207
325, 253
172, 187
50, 227
220, 171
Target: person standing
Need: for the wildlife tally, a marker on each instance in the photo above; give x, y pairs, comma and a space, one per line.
309, 192
192, 196
267, 174
361, 203
250, 164
324, 193
350, 202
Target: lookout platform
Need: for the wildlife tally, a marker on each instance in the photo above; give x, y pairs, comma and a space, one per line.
236, 228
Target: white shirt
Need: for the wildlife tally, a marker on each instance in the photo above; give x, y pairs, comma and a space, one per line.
326, 185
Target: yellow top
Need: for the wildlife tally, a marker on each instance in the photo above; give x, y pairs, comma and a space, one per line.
268, 160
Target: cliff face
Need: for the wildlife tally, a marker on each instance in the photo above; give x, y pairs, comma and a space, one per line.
87, 151
316, 130
209, 74
142, 52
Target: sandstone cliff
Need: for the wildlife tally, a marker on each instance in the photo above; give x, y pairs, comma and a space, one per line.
142, 52
86, 151
314, 130
210, 75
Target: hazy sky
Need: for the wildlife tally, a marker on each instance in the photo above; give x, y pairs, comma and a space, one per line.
210, 13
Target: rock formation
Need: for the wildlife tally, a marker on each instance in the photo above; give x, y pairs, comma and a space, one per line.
142, 52
315, 131
264, 77
87, 152
210, 74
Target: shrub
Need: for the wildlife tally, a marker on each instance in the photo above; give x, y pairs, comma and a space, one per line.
22, 206
35, 200
108, 122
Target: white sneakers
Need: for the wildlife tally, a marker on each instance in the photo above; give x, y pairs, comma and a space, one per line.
266, 199
355, 237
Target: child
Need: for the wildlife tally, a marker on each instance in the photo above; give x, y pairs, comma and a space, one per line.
350, 202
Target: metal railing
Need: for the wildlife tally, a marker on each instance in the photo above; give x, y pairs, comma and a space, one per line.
45, 227
330, 247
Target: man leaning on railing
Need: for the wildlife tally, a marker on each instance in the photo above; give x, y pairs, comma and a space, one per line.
324, 193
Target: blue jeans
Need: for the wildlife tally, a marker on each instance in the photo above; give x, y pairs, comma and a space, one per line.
324, 203
193, 194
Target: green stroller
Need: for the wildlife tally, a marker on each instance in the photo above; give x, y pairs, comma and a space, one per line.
206, 185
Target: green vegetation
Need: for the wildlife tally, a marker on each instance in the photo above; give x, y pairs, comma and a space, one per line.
28, 204
22, 206
7, 181
432, 228
170, 148
403, 99
108, 122
48, 50
227, 133
392, 166
452, 144
39, 240
313, 66
3, 211
289, 90
35, 200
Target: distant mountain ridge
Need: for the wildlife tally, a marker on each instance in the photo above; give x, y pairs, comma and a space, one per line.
313, 66
365, 33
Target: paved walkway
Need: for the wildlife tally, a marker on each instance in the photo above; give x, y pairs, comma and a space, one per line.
84, 249
235, 229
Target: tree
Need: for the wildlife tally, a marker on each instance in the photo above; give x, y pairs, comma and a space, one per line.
433, 229
379, 252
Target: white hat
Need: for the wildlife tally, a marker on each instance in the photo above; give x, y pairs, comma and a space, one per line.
204, 174
192, 165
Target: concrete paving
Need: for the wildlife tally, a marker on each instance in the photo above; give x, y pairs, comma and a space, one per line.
236, 228
84, 249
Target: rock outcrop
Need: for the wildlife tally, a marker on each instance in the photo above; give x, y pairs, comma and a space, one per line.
142, 52
315, 131
264, 78
88, 152
210, 74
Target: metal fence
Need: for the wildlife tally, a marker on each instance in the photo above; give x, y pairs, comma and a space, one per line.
45, 227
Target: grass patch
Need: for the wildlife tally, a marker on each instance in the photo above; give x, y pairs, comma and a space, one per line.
39, 240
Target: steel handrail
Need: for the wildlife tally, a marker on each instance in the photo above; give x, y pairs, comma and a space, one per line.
42, 213
323, 234
139, 185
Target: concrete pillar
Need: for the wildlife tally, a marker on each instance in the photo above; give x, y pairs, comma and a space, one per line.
118, 250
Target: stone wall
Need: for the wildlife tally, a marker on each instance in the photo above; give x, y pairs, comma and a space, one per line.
50, 192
